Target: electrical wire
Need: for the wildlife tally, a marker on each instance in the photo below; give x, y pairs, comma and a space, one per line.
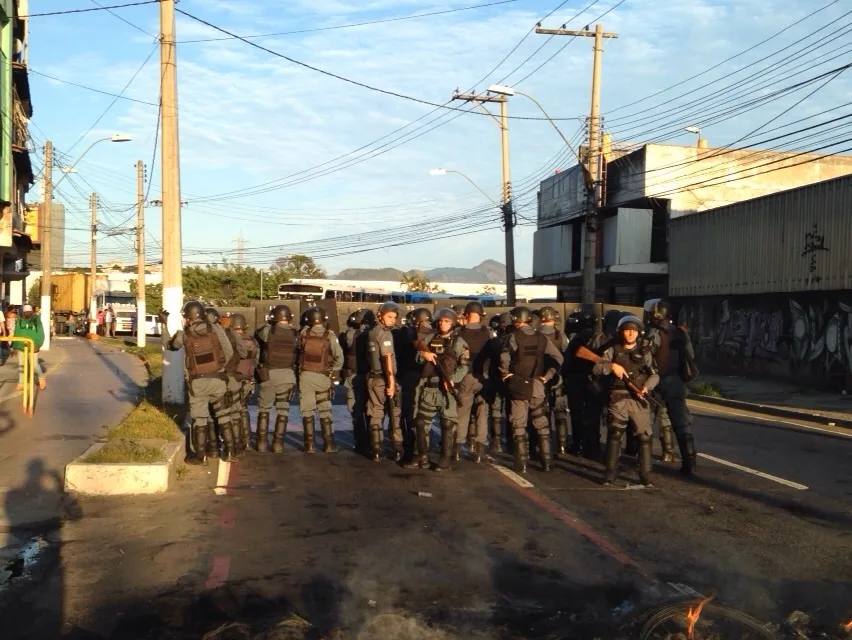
82, 86
89, 10
125, 21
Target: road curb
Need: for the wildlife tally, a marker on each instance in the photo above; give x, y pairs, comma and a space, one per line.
779, 412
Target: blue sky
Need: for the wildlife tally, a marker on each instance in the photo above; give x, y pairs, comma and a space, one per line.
249, 118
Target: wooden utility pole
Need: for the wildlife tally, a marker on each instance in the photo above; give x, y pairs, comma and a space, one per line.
93, 274
593, 197
173, 382
141, 325
506, 207
46, 224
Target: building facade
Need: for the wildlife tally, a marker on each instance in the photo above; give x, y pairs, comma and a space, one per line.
16, 172
765, 285
644, 192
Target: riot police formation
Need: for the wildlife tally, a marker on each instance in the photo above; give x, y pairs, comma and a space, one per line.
481, 379
207, 350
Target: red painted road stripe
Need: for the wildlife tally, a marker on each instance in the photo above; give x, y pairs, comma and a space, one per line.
221, 565
579, 526
229, 517
219, 572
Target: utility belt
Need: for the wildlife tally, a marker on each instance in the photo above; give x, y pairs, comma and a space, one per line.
221, 375
431, 383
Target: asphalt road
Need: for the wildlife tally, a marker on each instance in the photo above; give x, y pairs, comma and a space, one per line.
349, 544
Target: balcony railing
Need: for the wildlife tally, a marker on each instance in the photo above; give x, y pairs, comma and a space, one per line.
20, 125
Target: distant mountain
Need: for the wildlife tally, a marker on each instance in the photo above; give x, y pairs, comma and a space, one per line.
488, 272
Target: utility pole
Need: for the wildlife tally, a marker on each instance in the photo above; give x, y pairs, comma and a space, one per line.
595, 162
93, 274
506, 207
141, 325
241, 248
47, 223
173, 382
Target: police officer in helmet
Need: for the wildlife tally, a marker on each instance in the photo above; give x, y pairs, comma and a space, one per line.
207, 350
243, 372
235, 385
353, 375
586, 396
558, 400
476, 387
320, 361
525, 373
383, 391
418, 326
632, 366
278, 342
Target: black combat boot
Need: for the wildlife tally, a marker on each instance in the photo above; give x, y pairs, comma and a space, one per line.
687, 454
260, 444
245, 429
278, 434
561, 436
308, 426
360, 434
448, 439
420, 459
212, 441
613, 455
631, 448
228, 437
667, 443
495, 424
522, 453
376, 438
398, 452
457, 448
199, 442
328, 444
545, 449
646, 463
479, 452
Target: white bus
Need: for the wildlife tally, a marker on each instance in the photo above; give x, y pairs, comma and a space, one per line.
313, 292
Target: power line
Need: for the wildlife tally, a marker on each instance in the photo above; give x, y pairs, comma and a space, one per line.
82, 86
355, 24
99, 8
127, 22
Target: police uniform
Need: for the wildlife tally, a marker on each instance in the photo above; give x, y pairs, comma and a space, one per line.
235, 384
404, 339
276, 372
475, 389
522, 366
586, 397
354, 346
320, 358
433, 398
207, 350
558, 398
623, 407
379, 345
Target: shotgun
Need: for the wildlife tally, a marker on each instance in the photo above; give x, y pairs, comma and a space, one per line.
586, 354
449, 387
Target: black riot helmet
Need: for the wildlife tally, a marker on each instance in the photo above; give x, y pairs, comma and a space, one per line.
458, 309
610, 321
475, 306
409, 319
212, 315
535, 319
280, 313
355, 319
314, 316
657, 312
388, 307
629, 322
548, 314
238, 321
521, 314
446, 312
420, 315
193, 310
580, 320
369, 318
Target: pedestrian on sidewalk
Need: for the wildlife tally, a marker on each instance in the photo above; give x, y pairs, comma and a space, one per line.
71, 323
110, 322
100, 320
29, 326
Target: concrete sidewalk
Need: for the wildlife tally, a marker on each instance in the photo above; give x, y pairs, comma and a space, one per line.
779, 399
89, 388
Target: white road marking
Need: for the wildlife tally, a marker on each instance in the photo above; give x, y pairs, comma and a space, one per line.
222, 478
788, 483
514, 477
837, 432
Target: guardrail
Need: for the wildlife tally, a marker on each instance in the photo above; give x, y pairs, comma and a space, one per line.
28, 355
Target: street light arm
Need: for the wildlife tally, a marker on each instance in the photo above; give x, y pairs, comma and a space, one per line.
496, 204
550, 120
80, 157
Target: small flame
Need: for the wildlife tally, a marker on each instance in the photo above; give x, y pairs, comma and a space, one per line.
693, 615
848, 627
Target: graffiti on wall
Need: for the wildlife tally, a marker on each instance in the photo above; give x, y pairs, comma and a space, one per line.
789, 335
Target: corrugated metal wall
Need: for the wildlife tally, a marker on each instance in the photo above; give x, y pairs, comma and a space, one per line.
797, 240
552, 250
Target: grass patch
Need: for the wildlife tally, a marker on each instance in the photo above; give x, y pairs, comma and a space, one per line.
151, 354
706, 389
124, 451
146, 422
181, 472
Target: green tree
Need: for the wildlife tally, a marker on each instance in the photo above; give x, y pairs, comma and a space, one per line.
34, 294
298, 266
417, 282
488, 290
153, 296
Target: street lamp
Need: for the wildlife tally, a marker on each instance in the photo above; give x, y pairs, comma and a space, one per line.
118, 137
696, 131
443, 172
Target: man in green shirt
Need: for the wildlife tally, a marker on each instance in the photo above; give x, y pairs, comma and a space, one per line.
28, 325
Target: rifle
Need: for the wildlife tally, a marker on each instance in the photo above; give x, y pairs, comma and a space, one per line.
632, 387
447, 383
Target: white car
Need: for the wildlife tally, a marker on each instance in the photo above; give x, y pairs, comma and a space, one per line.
152, 326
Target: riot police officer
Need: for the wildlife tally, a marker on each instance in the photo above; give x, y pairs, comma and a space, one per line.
418, 326
522, 367
586, 396
458, 309
383, 392
558, 401
354, 373
278, 342
501, 325
445, 361
476, 387
235, 384
675, 358
244, 374
632, 366
207, 350
320, 361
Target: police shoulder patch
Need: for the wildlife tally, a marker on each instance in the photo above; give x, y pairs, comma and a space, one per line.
387, 343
